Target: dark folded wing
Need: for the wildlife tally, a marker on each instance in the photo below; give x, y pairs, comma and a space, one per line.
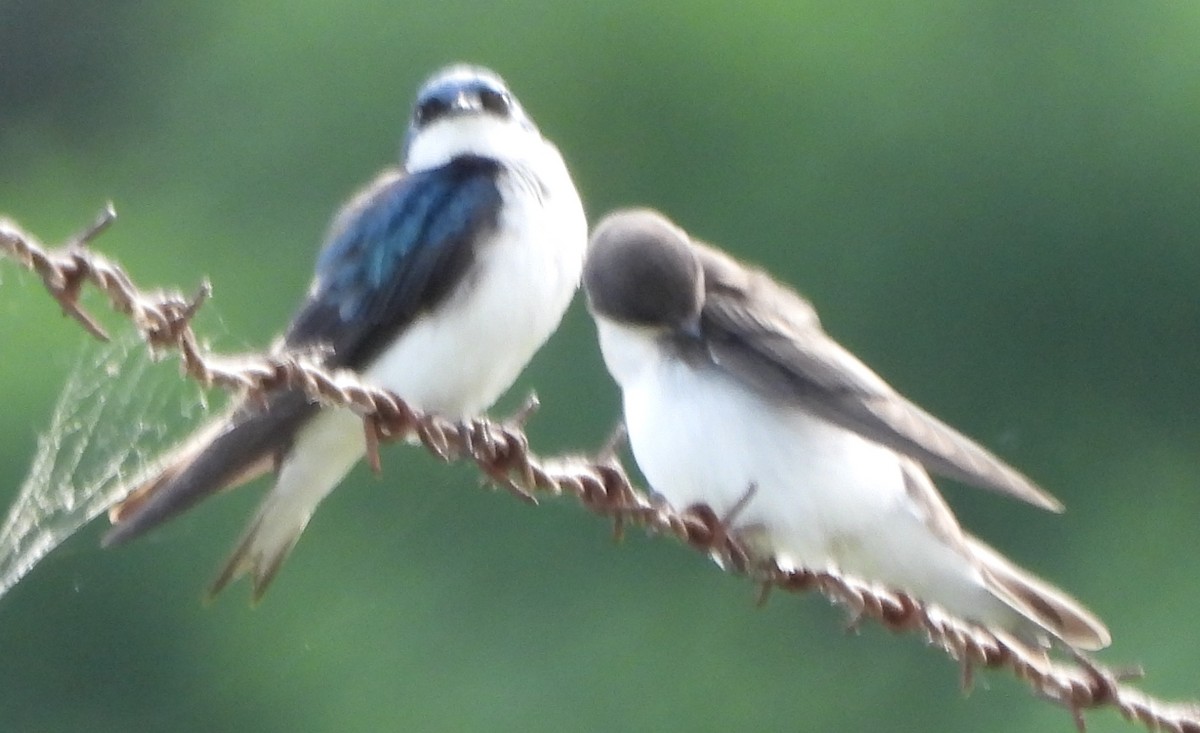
770, 338
229, 452
396, 250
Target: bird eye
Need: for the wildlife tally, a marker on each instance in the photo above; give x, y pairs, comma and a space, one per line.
498, 103
429, 110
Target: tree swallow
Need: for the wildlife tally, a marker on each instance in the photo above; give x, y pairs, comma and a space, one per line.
735, 398
438, 281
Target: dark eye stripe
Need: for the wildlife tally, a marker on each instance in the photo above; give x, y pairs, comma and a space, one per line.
430, 109
440, 101
497, 103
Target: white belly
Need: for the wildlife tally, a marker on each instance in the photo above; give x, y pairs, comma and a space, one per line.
455, 360
458, 360
823, 497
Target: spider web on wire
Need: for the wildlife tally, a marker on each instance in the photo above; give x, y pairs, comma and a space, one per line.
502, 453
106, 427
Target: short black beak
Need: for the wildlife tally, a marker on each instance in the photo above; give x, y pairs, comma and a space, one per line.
465, 102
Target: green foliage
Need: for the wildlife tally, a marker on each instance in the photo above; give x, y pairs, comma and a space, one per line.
994, 203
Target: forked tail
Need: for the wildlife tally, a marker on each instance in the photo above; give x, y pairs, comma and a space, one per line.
1057, 612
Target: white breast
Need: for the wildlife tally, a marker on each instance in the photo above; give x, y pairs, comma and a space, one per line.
824, 498
699, 437
459, 359
455, 360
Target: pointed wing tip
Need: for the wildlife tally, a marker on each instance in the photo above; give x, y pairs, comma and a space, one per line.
1045, 500
119, 534
1007, 480
130, 517
1016, 486
1096, 639
1104, 638
132, 520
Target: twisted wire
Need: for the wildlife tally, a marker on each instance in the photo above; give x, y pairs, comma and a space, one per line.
501, 451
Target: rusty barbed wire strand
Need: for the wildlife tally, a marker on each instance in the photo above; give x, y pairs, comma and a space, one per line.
502, 453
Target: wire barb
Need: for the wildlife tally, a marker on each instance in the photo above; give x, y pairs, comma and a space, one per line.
502, 454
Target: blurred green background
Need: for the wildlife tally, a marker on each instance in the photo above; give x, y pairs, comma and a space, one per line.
996, 204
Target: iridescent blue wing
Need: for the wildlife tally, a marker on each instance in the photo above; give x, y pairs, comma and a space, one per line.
396, 250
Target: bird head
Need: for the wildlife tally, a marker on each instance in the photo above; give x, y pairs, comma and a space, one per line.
465, 110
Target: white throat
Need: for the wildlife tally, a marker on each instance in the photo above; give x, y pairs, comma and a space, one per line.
481, 135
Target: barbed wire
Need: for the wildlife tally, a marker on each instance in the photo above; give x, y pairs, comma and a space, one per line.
501, 451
